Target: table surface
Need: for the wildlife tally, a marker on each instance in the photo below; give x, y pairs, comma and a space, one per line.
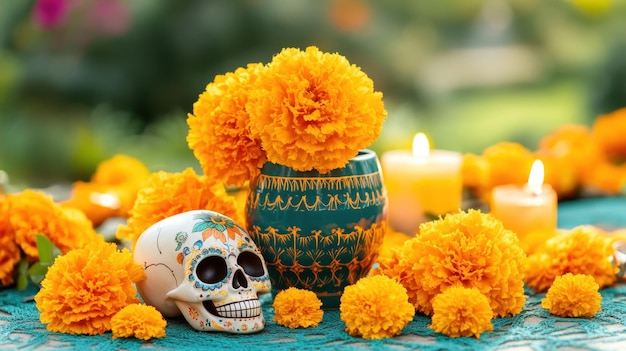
533, 329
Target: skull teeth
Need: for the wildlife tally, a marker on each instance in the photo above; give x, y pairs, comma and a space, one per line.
240, 309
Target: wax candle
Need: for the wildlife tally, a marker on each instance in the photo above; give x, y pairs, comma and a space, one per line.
528, 208
421, 184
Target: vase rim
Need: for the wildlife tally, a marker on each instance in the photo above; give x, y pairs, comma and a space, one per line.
364, 154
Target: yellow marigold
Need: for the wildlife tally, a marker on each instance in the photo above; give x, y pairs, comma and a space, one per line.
86, 287
461, 311
120, 170
582, 250
111, 191
218, 128
375, 307
509, 163
606, 177
314, 110
297, 308
573, 144
9, 250
501, 163
165, 194
140, 321
469, 248
475, 171
573, 295
101, 201
560, 174
608, 131
33, 212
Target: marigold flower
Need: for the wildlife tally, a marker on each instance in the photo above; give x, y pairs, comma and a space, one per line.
475, 171
140, 321
111, 191
573, 295
375, 307
501, 163
606, 177
9, 250
509, 163
608, 132
218, 128
165, 194
100, 202
86, 287
33, 212
297, 308
469, 248
461, 311
314, 110
120, 170
575, 148
582, 250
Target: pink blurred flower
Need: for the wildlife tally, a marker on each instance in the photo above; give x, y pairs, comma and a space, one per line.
110, 17
50, 13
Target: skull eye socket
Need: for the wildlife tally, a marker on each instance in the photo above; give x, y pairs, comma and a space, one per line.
251, 264
211, 269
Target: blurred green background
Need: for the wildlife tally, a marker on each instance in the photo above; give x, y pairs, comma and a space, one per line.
82, 80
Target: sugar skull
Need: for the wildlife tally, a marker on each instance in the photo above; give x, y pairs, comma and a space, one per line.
201, 264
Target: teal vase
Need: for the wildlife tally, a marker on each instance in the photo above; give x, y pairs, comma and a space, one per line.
319, 232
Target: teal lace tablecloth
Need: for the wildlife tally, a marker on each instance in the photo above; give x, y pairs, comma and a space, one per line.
533, 329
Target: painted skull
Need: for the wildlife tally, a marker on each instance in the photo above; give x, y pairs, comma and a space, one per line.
201, 264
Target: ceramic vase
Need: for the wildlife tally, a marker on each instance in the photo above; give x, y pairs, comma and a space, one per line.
319, 232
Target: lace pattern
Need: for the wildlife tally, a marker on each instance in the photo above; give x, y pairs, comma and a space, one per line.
533, 329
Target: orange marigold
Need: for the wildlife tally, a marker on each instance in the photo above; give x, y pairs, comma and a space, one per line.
606, 177
573, 295
112, 189
86, 287
120, 170
469, 248
314, 110
461, 311
140, 321
165, 194
218, 128
608, 132
475, 171
582, 250
9, 250
297, 308
575, 146
375, 307
33, 212
101, 201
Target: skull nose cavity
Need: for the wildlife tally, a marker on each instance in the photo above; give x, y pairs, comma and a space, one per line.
239, 280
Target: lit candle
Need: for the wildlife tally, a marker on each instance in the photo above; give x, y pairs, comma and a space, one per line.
421, 184
528, 208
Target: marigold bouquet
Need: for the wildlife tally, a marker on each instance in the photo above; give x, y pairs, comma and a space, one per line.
308, 110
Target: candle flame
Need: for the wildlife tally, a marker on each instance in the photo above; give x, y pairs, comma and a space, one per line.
421, 148
535, 178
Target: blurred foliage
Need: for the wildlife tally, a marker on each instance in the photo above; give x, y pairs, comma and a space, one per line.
467, 72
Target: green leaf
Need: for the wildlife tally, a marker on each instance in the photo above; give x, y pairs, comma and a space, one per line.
22, 275
47, 250
37, 272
